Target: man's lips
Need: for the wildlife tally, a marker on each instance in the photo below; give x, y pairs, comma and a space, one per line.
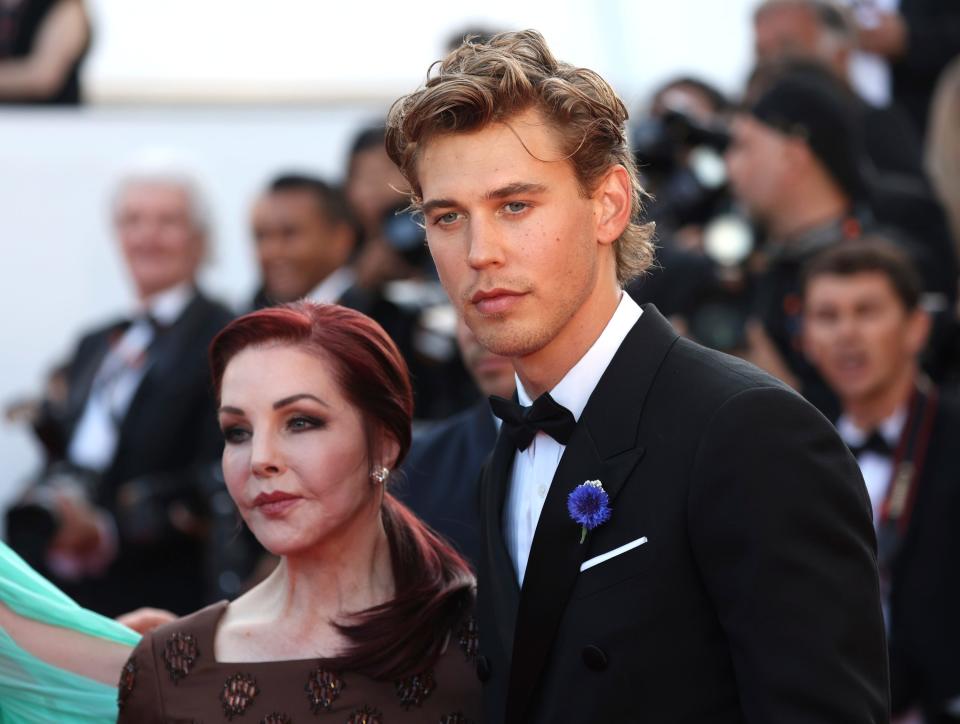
495, 301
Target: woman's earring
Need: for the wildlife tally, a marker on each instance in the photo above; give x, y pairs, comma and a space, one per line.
379, 475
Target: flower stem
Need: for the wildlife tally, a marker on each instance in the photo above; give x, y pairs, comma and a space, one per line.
583, 534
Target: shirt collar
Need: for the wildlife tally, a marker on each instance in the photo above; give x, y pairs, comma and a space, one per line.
167, 306
890, 429
574, 390
332, 288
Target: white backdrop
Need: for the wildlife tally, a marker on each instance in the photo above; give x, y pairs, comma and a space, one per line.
226, 72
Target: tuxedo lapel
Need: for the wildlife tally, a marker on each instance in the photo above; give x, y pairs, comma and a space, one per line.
500, 582
604, 447
85, 370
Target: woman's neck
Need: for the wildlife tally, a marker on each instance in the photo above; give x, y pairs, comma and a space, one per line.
292, 614
346, 576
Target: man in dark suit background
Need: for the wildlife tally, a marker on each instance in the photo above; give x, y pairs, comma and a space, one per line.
864, 330
735, 579
918, 39
304, 233
442, 469
129, 427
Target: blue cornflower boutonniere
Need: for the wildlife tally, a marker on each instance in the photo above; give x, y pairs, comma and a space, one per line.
589, 505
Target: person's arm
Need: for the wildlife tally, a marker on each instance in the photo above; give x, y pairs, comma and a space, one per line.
90, 656
921, 42
61, 39
780, 525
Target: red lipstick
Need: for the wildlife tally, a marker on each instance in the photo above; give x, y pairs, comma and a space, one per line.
276, 503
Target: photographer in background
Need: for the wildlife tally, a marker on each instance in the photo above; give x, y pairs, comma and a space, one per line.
396, 282
795, 165
304, 234
700, 279
117, 518
864, 330
824, 33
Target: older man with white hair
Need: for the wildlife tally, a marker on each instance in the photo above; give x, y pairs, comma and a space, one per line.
130, 433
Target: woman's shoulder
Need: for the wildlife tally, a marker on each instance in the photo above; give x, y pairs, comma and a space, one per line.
196, 630
163, 658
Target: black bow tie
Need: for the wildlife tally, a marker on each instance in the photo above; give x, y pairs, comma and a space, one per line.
875, 443
522, 424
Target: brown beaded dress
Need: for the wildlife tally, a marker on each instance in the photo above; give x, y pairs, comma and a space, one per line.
172, 677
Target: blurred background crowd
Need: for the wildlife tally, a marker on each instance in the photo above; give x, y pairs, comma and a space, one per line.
803, 164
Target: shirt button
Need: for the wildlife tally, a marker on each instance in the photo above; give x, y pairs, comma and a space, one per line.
542, 491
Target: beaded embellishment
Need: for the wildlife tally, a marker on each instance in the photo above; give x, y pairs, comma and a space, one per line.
456, 718
276, 718
238, 694
413, 690
128, 679
323, 687
365, 715
469, 638
180, 653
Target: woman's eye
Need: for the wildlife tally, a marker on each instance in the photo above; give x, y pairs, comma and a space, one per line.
303, 422
235, 435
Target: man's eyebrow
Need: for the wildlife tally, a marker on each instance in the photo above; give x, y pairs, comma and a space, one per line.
294, 398
437, 204
520, 187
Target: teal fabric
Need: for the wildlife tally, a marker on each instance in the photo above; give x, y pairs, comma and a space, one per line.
32, 691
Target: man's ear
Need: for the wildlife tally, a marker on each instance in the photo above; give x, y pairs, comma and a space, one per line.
613, 198
918, 330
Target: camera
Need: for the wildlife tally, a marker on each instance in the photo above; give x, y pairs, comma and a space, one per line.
405, 235
682, 160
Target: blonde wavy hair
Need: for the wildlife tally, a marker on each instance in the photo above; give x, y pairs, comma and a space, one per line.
482, 83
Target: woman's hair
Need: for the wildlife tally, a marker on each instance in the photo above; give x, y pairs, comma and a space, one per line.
492, 82
433, 584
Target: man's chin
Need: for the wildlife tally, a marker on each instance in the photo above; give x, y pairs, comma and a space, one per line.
507, 342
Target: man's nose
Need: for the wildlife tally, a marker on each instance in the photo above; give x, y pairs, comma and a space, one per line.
485, 240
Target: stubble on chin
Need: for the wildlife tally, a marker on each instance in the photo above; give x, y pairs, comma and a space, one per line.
499, 335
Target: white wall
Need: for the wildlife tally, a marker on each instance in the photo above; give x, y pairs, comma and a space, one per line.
59, 270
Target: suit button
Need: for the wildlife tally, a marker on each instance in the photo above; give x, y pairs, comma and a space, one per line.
483, 668
594, 658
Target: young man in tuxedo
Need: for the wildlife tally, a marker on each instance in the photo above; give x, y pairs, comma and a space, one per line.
864, 330
735, 579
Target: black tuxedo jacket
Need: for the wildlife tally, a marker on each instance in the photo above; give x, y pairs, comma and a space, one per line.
933, 28
755, 597
168, 440
441, 476
924, 580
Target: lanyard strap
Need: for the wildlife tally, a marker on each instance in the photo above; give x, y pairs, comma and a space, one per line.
907, 468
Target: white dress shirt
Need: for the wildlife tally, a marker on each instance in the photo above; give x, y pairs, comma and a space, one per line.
877, 469
869, 73
333, 287
94, 441
534, 468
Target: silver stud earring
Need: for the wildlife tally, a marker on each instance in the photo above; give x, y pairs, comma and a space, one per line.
379, 475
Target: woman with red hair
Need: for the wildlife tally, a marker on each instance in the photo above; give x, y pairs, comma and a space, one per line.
367, 615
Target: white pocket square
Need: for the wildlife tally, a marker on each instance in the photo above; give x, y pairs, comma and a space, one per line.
603, 557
